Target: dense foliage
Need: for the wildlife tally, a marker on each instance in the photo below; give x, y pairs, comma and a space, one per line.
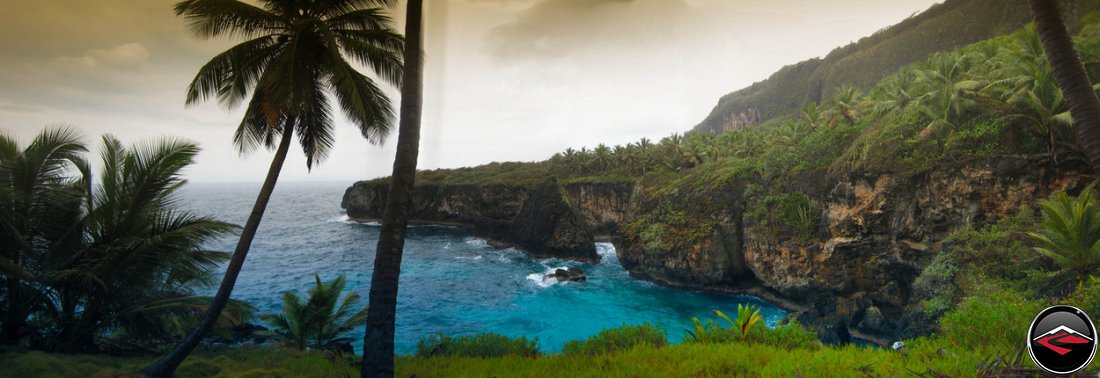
481, 345
617, 339
117, 259
320, 321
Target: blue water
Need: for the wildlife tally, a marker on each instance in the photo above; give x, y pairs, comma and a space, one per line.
451, 281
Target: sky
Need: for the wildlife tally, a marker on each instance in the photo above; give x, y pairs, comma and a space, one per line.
505, 80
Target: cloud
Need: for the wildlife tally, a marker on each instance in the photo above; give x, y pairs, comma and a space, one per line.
560, 29
121, 57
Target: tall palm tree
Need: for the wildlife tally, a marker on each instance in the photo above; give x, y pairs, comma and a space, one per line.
382, 306
1070, 74
294, 62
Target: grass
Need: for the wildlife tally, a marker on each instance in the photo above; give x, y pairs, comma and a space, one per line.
235, 363
642, 360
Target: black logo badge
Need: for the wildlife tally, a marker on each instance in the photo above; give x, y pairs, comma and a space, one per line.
1062, 339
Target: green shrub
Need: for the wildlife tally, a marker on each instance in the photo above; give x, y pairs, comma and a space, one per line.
790, 336
1087, 297
937, 283
617, 339
993, 319
711, 332
483, 345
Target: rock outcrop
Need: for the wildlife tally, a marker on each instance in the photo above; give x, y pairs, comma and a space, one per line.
715, 260
876, 234
568, 274
561, 222
549, 226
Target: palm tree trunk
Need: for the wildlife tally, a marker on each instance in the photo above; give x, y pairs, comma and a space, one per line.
16, 317
1070, 75
167, 365
382, 307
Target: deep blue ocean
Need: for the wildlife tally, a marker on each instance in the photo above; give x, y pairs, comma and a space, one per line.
451, 281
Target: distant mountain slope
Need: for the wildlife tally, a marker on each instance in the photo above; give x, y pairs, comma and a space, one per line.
942, 27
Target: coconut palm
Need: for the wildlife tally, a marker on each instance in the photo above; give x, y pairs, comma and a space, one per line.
378, 342
115, 258
298, 56
37, 202
134, 260
1031, 93
1070, 75
1070, 233
321, 320
845, 105
602, 157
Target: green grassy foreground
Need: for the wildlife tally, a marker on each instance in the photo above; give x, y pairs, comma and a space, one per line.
701, 360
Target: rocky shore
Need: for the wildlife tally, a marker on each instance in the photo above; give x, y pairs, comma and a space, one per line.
875, 234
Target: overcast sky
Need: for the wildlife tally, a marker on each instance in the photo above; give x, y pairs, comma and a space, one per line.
506, 80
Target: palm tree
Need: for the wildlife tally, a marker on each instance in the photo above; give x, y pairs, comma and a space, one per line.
292, 65
318, 321
602, 157
845, 105
33, 183
378, 342
1070, 234
118, 256
1070, 74
134, 260
1031, 93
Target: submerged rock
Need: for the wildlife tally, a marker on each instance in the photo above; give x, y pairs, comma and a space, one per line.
568, 274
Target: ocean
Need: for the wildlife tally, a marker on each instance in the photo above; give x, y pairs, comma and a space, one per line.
451, 281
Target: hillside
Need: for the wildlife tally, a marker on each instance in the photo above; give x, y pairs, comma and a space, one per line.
942, 27
850, 212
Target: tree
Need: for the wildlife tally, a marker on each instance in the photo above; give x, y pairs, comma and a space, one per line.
319, 321
1070, 75
382, 313
845, 105
37, 198
293, 64
115, 257
1070, 234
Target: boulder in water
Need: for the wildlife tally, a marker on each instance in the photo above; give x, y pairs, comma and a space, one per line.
568, 274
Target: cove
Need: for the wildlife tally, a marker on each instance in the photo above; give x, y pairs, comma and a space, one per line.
451, 281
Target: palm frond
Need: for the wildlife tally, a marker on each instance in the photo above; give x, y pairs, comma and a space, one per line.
228, 18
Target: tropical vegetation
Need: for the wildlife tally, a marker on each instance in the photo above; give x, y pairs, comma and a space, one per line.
320, 321
296, 61
116, 261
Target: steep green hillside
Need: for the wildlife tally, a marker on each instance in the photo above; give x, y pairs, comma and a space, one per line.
942, 27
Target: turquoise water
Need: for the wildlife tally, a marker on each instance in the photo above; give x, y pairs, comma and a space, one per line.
451, 281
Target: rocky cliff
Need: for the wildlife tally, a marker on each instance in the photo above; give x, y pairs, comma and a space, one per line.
871, 237
875, 234
543, 220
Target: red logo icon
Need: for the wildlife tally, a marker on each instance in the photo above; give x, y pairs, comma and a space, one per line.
1060, 338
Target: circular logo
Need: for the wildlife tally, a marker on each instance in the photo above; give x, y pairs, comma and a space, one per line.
1062, 339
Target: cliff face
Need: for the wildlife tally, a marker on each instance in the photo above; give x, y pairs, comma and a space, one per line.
548, 225
703, 252
601, 206
460, 204
876, 233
